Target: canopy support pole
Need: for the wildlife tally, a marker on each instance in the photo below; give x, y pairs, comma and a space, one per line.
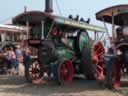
106, 28
113, 25
42, 33
27, 23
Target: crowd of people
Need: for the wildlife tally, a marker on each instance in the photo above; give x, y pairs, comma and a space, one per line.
15, 56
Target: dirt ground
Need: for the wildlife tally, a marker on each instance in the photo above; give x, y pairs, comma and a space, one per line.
17, 86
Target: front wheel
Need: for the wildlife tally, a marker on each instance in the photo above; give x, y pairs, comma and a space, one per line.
34, 72
63, 72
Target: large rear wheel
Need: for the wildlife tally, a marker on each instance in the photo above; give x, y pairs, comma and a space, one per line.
97, 60
86, 66
92, 60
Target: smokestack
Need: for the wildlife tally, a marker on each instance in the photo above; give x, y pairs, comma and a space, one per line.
48, 6
25, 8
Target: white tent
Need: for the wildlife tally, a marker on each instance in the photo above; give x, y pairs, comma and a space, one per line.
13, 28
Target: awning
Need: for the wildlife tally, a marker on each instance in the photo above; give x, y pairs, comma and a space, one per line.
13, 28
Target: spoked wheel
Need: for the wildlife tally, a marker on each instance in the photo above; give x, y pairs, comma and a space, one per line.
64, 72
35, 71
113, 74
97, 60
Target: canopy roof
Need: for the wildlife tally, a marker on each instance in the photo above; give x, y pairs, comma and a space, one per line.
77, 24
33, 17
118, 11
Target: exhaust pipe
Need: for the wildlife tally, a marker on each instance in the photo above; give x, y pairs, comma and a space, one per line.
48, 6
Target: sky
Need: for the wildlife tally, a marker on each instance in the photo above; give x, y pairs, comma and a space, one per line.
83, 8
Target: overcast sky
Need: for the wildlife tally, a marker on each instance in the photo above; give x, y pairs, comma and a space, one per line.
85, 8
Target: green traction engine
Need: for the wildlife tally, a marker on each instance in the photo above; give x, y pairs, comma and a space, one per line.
117, 63
63, 46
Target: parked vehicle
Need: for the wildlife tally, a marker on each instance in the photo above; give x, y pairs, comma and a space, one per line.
62, 46
117, 16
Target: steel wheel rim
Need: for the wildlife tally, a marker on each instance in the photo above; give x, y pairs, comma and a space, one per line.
35, 71
97, 60
65, 72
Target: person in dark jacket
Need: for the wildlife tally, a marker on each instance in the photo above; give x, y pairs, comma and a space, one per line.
26, 60
109, 59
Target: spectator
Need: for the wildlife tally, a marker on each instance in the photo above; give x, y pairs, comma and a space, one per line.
18, 58
8, 59
26, 59
109, 59
11, 57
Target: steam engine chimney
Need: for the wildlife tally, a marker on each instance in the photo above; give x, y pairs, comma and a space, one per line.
48, 6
